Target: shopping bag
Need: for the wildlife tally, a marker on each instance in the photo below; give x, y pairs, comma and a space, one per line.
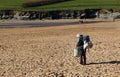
76, 52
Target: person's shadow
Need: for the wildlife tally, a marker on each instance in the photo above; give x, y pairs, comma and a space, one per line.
110, 62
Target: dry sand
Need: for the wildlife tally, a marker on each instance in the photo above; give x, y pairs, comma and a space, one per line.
48, 51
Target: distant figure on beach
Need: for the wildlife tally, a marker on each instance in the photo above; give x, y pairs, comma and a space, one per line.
80, 21
83, 44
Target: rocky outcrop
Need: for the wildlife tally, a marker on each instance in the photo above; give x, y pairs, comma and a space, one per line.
31, 15
56, 14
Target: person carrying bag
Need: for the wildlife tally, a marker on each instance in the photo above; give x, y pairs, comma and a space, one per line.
79, 47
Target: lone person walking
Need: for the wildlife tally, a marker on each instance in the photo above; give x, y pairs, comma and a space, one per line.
79, 45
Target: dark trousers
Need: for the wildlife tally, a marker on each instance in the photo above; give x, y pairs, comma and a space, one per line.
83, 57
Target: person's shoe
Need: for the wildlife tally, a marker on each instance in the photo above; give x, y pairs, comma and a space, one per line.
84, 63
81, 63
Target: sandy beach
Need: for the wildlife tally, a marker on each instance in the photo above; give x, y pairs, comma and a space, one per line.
48, 51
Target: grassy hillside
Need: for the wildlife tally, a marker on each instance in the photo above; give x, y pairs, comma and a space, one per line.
73, 4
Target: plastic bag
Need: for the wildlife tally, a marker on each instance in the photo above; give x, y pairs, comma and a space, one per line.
76, 52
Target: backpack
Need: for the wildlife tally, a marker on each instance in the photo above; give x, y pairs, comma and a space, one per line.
80, 42
87, 42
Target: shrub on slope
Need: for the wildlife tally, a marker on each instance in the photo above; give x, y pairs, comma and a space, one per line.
41, 2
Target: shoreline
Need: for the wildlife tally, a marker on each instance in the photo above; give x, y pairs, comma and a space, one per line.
48, 23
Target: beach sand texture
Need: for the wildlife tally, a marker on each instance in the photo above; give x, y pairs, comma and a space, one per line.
48, 51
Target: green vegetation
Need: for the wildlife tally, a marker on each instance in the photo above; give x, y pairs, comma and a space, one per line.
73, 4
